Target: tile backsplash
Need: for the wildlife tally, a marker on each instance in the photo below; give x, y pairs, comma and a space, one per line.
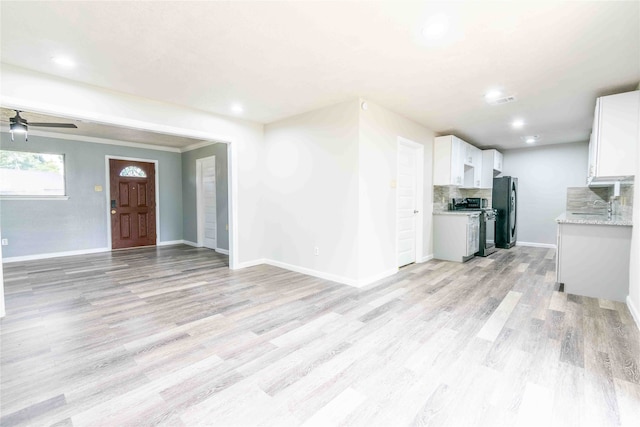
582, 199
442, 195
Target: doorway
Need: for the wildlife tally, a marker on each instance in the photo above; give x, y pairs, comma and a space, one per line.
132, 203
206, 206
409, 202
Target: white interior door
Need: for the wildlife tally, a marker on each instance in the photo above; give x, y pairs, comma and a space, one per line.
407, 203
207, 224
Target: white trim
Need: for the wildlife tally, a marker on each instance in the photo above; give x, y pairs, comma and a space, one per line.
108, 192
232, 183
222, 251
314, 273
199, 201
635, 313
197, 145
119, 120
426, 258
247, 264
171, 243
356, 283
58, 198
95, 140
190, 243
419, 196
54, 255
536, 245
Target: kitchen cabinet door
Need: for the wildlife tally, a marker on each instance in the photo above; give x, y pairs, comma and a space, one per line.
497, 160
614, 137
491, 167
448, 156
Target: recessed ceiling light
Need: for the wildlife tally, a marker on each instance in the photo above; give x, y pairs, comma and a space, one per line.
492, 95
237, 108
517, 123
64, 61
530, 139
436, 27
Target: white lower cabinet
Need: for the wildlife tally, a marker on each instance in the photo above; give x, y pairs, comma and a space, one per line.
456, 236
593, 260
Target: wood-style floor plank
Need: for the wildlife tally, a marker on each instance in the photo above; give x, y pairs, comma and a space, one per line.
171, 336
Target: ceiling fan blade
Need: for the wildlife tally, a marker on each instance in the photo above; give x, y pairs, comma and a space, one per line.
54, 125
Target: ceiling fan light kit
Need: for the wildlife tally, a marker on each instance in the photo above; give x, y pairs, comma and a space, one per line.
18, 124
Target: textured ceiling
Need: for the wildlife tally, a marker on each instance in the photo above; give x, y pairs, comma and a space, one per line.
282, 58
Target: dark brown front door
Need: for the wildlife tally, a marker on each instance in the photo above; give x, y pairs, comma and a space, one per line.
133, 203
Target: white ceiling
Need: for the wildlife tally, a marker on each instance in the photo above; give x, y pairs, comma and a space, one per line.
283, 58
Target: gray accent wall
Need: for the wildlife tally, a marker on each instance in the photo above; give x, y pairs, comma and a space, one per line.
36, 227
544, 174
190, 218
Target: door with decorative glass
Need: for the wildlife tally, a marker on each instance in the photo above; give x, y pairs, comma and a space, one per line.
132, 203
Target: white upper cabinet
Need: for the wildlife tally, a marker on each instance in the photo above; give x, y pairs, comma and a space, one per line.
614, 137
491, 167
456, 162
448, 160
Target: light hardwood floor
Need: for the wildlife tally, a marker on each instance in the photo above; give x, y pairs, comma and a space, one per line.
171, 336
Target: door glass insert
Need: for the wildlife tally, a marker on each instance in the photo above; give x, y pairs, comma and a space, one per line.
133, 171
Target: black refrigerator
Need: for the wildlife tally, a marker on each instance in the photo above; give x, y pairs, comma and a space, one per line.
505, 200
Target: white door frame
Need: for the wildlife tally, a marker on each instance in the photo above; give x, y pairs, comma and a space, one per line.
107, 187
151, 126
419, 196
200, 203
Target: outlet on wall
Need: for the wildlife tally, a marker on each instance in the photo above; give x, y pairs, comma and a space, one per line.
316, 250
5, 242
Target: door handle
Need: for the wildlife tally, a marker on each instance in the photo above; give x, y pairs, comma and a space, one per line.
113, 211
416, 211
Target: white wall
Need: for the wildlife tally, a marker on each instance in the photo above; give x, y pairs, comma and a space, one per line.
328, 176
633, 301
378, 148
47, 94
311, 191
544, 173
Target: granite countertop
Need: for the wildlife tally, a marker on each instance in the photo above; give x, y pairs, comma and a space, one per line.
455, 212
581, 219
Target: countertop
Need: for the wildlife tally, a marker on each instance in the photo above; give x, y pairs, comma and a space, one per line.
456, 212
581, 219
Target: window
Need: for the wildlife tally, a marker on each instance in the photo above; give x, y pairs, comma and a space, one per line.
133, 171
31, 174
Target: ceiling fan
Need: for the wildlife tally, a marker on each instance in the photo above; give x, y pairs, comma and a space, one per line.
19, 124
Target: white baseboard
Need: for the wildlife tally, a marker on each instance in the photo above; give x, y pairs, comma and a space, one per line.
314, 273
635, 313
426, 258
189, 243
247, 264
170, 243
536, 245
54, 255
222, 251
356, 283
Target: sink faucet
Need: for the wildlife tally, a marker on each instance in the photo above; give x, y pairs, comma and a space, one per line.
609, 205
